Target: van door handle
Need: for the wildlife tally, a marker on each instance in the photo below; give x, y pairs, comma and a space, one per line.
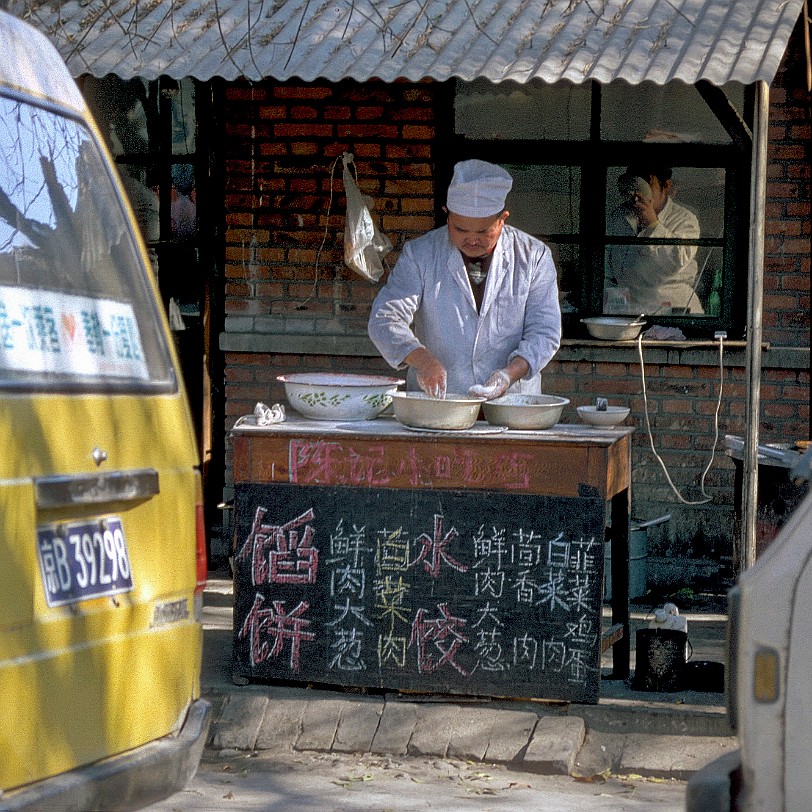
95, 489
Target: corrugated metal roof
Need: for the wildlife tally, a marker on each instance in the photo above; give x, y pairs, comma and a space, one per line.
551, 40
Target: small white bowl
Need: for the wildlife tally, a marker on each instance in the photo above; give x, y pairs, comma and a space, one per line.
612, 416
614, 328
338, 396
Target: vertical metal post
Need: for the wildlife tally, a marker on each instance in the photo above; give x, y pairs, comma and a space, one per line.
755, 294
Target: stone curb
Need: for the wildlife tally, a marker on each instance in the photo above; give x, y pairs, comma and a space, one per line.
572, 740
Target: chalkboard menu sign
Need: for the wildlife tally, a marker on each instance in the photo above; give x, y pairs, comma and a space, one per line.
426, 590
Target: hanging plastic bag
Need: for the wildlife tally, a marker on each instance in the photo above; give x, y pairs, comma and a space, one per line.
364, 245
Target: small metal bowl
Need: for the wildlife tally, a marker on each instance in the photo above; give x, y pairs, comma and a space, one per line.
529, 412
452, 413
614, 328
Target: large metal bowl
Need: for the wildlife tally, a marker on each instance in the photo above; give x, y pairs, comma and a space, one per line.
338, 396
529, 412
614, 328
418, 410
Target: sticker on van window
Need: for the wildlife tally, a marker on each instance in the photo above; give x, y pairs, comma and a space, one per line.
48, 331
82, 561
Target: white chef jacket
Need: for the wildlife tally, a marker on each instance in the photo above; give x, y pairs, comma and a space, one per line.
427, 302
657, 276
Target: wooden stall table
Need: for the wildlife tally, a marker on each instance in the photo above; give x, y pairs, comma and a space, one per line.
463, 562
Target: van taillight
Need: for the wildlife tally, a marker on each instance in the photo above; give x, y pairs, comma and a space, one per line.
202, 561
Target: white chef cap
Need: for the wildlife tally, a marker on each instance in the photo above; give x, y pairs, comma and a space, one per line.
478, 189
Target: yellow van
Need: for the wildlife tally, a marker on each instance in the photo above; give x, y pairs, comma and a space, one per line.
102, 544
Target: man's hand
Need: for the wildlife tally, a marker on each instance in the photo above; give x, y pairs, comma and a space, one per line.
646, 214
431, 374
496, 386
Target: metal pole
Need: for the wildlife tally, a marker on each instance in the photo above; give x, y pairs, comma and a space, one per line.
755, 293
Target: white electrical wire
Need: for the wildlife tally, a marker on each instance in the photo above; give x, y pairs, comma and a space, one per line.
349, 157
715, 424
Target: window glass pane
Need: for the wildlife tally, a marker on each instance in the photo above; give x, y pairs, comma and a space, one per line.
545, 202
508, 110
649, 209
184, 122
142, 191
673, 113
124, 106
567, 258
184, 206
75, 303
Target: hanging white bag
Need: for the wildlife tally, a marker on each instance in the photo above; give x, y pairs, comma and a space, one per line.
364, 245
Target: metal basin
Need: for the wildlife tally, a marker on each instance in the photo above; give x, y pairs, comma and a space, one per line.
614, 328
418, 410
529, 412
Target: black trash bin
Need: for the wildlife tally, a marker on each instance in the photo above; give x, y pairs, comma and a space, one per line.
778, 493
660, 660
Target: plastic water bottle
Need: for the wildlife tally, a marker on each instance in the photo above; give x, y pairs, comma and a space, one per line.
714, 305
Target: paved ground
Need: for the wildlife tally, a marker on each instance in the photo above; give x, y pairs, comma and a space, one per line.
669, 735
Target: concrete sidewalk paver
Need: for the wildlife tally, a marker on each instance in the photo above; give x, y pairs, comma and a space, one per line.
671, 756
238, 726
357, 726
319, 724
395, 728
281, 725
510, 735
555, 745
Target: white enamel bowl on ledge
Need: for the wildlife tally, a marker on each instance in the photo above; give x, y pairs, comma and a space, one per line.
612, 416
338, 396
451, 413
528, 412
614, 328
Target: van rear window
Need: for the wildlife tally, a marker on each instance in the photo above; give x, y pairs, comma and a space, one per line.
76, 307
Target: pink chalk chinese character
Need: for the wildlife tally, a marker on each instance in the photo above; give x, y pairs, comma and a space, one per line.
277, 552
269, 629
434, 550
444, 634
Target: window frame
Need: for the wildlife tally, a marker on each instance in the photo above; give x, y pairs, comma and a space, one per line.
594, 157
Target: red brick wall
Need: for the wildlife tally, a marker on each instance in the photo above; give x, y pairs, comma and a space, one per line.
285, 274
284, 192
787, 227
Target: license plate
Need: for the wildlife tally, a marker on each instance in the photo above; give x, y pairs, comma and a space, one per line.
82, 561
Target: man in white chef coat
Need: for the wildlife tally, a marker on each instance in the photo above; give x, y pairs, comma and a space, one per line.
471, 306
654, 279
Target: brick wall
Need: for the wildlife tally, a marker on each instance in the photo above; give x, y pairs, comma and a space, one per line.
787, 227
681, 400
285, 275
284, 201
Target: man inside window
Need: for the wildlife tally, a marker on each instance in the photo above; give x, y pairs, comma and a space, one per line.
654, 279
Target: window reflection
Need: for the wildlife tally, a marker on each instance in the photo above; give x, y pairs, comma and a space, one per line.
508, 110
545, 202
656, 215
671, 114
184, 201
64, 244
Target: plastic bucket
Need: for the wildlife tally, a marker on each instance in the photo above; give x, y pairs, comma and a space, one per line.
638, 564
